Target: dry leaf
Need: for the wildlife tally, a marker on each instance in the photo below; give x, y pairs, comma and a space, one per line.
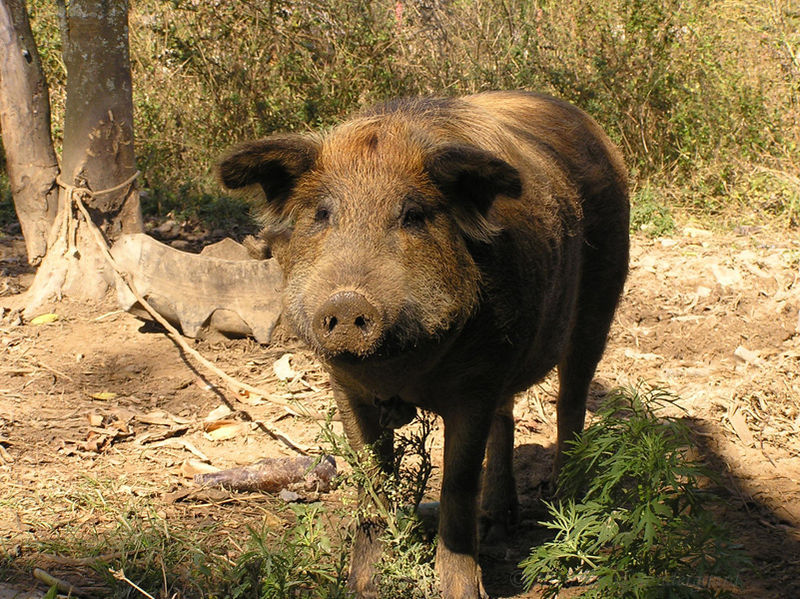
740, 427
250, 399
181, 443
283, 370
160, 435
95, 442
104, 395
218, 413
221, 430
95, 419
191, 467
747, 356
44, 319
161, 417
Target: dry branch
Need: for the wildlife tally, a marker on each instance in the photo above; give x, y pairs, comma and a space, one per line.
271, 475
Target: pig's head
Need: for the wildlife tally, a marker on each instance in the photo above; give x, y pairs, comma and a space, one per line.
373, 226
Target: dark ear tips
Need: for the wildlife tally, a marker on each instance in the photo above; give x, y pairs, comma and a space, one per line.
238, 168
467, 172
275, 163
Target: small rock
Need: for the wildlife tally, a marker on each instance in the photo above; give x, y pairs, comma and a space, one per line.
747, 356
180, 244
169, 229
725, 276
695, 232
703, 291
289, 496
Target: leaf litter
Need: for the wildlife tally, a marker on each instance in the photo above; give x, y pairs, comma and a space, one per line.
713, 318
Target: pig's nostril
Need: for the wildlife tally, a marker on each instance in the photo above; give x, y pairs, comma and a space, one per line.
361, 322
330, 323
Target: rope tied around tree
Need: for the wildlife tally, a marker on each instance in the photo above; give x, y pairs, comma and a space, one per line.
70, 191
75, 196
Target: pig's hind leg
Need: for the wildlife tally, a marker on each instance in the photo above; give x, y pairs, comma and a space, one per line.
499, 503
605, 266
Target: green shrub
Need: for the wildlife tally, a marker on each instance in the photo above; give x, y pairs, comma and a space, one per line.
699, 95
7, 214
309, 561
638, 524
406, 566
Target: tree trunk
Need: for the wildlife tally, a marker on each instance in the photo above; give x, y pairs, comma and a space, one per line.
236, 297
97, 154
25, 124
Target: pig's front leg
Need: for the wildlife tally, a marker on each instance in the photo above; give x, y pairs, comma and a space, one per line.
465, 433
361, 422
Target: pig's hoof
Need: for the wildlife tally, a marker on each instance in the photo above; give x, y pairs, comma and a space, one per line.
459, 575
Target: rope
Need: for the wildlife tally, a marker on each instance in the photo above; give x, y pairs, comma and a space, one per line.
74, 194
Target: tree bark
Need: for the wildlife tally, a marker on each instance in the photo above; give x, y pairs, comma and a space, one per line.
98, 152
25, 124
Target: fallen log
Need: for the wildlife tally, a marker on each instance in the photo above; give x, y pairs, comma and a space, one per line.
272, 475
237, 298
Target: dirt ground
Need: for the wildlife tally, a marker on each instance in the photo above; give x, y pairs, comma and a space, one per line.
99, 404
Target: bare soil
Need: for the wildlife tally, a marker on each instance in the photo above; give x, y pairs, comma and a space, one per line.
99, 408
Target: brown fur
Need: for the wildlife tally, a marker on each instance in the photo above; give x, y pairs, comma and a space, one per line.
447, 253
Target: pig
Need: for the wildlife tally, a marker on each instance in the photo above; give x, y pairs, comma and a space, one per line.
446, 254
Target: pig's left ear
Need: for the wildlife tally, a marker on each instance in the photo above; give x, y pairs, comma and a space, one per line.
471, 179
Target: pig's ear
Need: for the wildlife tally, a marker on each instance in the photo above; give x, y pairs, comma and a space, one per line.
471, 179
275, 163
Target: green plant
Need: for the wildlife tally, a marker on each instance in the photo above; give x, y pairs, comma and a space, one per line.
302, 562
650, 215
7, 214
638, 524
308, 561
699, 95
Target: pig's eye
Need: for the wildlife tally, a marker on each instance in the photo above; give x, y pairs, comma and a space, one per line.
413, 218
323, 215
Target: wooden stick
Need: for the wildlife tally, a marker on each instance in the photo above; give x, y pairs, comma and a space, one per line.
51, 581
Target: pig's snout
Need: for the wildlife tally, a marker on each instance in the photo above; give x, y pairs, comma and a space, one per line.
347, 323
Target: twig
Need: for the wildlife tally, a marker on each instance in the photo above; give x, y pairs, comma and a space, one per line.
276, 433
107, 314
120, 575
173, 332
51, 581
53, 370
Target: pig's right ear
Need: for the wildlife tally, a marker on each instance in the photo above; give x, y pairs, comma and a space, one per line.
275, 163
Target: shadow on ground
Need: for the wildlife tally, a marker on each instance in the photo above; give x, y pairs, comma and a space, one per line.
772, 544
